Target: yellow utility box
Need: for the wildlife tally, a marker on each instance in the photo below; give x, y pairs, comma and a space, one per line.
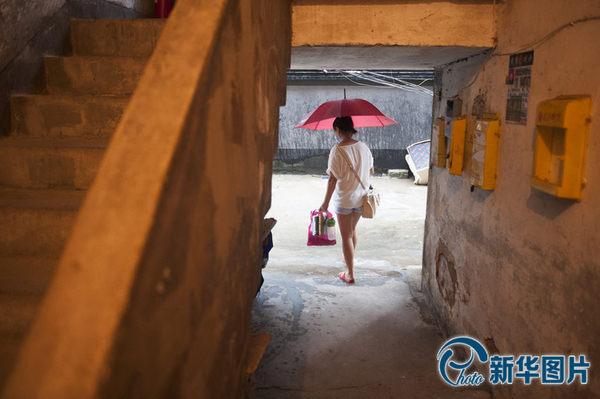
439, 145
457, 145
485, 152
561, 146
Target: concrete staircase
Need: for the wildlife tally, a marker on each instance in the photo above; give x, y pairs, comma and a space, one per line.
57, 141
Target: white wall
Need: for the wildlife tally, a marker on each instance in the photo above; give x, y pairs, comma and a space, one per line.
388, 144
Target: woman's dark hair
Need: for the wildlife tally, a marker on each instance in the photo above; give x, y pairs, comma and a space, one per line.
345, 124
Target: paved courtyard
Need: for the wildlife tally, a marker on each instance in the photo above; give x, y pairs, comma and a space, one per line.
386, 244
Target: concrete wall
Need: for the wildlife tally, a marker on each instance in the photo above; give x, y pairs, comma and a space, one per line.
302, 150
144, 7
388, 34
514, 266
20, 22
31, 29
153, 293
398, 23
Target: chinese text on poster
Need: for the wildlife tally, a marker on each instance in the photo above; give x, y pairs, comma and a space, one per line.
519, 81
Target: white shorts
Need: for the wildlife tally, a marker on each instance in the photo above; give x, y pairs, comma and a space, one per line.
346, 211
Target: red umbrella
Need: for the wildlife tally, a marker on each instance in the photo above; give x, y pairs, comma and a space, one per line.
363, 114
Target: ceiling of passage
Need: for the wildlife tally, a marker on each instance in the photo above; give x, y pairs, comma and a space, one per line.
378, 57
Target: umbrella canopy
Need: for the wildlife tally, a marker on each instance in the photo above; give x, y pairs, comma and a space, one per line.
363, 114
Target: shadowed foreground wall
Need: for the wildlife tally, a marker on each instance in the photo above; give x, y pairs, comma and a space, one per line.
153, 293
516, 267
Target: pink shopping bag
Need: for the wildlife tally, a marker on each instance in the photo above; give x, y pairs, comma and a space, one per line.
318, 233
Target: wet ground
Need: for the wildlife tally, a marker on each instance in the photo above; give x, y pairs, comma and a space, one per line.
334, 340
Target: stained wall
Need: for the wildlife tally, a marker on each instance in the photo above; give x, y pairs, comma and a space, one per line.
392, 23
516, 267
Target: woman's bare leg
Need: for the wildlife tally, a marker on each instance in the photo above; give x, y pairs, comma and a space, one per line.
347, 225
355, 217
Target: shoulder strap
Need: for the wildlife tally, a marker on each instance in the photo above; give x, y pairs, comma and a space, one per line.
351, 167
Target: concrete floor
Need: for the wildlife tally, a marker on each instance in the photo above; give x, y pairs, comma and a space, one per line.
333, 340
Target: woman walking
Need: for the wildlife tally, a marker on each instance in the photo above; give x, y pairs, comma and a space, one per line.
344, 188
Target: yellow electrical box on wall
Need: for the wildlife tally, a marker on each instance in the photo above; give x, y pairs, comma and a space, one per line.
457, 145
439, 146
485, 152
561, 146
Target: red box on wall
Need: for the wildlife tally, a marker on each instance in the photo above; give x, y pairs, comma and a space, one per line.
162, 8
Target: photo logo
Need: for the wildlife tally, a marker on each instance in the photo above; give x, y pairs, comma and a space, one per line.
548, 369
445, 354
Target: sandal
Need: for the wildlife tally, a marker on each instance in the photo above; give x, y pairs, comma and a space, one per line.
342, 275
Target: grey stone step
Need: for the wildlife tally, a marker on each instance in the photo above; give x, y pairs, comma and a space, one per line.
49, 163
26, 274
93, 75
55, 116
16, 313
106, 37
36, 223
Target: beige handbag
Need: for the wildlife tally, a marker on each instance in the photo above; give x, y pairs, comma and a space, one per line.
371, 199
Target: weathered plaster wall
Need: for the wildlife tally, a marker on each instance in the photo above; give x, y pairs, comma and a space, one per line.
514, 266
31, 29
302, 150
393, 23
153, 293
20, 22
144, 7
104, 9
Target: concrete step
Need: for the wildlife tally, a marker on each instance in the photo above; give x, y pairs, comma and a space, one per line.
54, 116
9, 350
49, 163
116, 37
36, 223
26, 274
16, 313
93, 75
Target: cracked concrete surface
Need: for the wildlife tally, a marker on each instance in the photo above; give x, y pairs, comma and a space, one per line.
333, 340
